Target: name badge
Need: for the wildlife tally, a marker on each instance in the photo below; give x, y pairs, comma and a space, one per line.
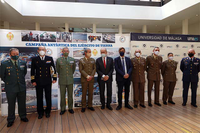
71, 62
196, 63
22, 66
48, 62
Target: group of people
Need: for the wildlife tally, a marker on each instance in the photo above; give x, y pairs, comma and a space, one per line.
44, 74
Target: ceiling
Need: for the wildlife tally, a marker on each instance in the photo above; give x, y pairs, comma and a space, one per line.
17, 21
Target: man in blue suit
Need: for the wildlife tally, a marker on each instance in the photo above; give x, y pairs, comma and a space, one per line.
190, 67
123, 67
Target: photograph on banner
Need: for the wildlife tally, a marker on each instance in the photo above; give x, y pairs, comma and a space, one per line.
78, 95
64, 37
31, 36
108, 38
94, 38
79, 37
47, 36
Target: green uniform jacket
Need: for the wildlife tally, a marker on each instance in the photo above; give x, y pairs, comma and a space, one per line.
14, 78
87, 67
65, 69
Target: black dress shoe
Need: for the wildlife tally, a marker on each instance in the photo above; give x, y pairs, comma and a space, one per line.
10, 124
194, 105
40, 116
157, 104
118, 107
83, 110
91, 108
165, 103
24, 119
150, 105
171, 102
71, 111
109, 107
128, 106
47, 115
62, 112
143, 106
103, 107
184, 104
135, 106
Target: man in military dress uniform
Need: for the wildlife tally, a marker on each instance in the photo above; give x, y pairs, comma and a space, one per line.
87, 68
154, 64
41, 68
138, 78
65, 67
190, 67
13, 73
169, 77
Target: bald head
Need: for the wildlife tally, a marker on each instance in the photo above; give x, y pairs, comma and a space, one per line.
191, 53
103, 51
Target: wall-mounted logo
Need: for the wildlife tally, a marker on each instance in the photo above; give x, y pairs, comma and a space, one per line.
135, 46
144, 45
176, 55
10, 36
198, 54
184, 54
192, 46
198, 46
192, 39
49, 51
177, 46
169, 46
94, 52
122, 39
185, 47
161, 45
152, 46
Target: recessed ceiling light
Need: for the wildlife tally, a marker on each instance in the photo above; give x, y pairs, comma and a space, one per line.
22, 22
80, 23
132, 24
156, 25
107, 24
2, 1
197, 15
52, 23
175, 22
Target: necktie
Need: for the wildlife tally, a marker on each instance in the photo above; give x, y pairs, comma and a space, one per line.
104, 62
123, 64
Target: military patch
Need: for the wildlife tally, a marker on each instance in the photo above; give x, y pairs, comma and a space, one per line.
22, 66
48, 62
196, 63
71, 62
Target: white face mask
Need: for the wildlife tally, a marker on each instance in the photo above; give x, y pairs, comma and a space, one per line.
42, 53
156, 52
103, 55
171, 58
137, 54
88, 54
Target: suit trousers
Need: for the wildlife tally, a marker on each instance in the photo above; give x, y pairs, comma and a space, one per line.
138, 90
125, 84
193, 90
156, 91
39, 94
102, 91
168, 90
87, 86
63, 97
21, 100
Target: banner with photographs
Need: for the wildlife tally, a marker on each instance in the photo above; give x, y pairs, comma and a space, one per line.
177, 44
28, 41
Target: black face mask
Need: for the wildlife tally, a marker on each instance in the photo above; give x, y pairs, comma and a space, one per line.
121, 53
190, 54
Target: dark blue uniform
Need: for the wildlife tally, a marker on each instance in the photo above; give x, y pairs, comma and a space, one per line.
41, 73
190, 68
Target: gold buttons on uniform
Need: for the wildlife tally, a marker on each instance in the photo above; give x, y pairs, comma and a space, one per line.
40, 72
40, 68
40, 75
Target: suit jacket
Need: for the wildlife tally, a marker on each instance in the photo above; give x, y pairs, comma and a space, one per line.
65, 68
119, 68
169, 70
139, 67
190, 69
13, 77
41, 71
101, 70
87, 67
153, 67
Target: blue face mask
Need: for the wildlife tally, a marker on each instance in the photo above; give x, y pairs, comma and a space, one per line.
121, 53
16, 57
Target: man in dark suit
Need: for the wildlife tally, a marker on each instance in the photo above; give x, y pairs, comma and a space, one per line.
123, 67
190, 67
104, 66
154, 65
13, 73
42, 67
